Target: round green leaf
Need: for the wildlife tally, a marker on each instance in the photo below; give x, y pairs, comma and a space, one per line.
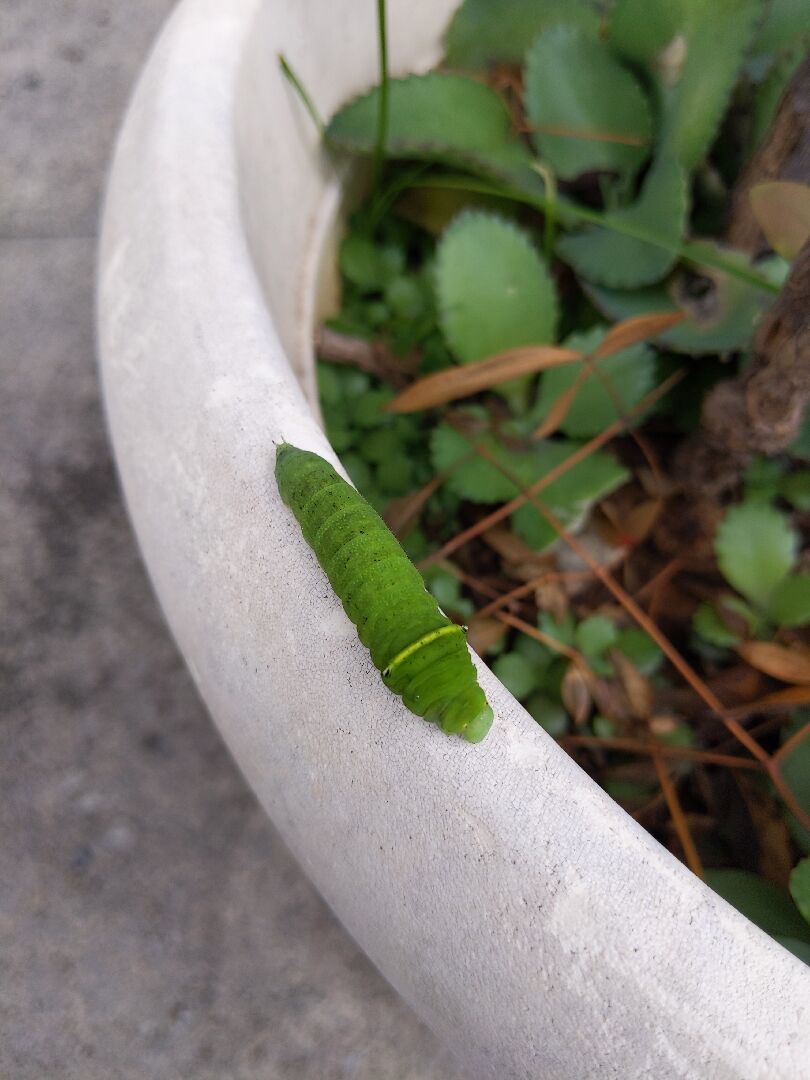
517, 674
582, 104
494, 290
790, 603
595, 634
756, 548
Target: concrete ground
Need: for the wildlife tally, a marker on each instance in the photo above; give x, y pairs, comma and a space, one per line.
152, 924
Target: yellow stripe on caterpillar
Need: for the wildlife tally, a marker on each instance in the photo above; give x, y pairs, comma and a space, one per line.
425, 639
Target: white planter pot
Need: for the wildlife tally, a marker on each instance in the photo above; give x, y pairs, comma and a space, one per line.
520, 911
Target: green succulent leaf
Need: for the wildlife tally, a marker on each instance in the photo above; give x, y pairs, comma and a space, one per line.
639, 29
755, 548
790, 603
439, 117
620, 261
800, 887
763, 902
617, 384
517, 674
595, 635
494, 291
573, 84
721, 320
694, 104
482, 33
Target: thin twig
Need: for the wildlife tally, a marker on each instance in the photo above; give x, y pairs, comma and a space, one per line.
584, 451
678, 817
684, 753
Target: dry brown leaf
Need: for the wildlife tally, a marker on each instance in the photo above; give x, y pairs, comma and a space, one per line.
635, 329
638, 689
461, 382
512, 549
782, 208
778, 661
483, 633
576, 697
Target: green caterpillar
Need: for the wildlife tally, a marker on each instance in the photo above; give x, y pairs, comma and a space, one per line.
422, 655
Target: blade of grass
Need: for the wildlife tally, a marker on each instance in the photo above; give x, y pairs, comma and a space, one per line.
298, 86
691, 253
382, 115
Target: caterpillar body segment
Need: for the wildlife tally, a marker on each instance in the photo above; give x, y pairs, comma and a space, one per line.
422, 655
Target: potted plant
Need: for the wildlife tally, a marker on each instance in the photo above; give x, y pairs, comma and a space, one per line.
529, 920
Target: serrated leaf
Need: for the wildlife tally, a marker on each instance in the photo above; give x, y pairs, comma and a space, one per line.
763, 902
588, 113
800, 888
630, 374
493, 289
439, 117
639, 29
482, 33
694, 106
606, 257
755, 548
782, 208
722, 319
790, 603
569, 497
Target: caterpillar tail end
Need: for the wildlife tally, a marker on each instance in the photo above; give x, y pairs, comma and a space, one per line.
478, 728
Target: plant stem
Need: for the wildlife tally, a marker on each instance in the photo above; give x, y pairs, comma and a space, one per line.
382, 115
298, 86
695, 254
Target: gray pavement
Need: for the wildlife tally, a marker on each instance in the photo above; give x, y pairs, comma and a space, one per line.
152, 924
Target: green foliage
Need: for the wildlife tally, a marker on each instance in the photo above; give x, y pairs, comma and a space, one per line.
494, 290
789, 604
549, 714
622, 261
764, 903
446, 588
795, 769
785, 23
517, 674
695, 103
482, 33
640, 649
710, 627
756, 548
619, 382
639, 29
573, 83
722, 320
800, 887
595, 635
439, 117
